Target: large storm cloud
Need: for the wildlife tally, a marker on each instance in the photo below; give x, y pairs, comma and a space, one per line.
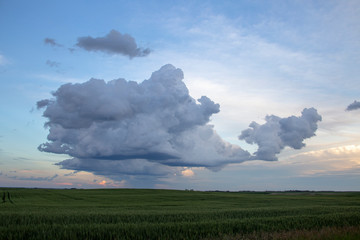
114, 43
153, 127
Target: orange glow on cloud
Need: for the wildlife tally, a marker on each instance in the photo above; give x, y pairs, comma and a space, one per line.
187, 173
342, 151
103, 183
335, 160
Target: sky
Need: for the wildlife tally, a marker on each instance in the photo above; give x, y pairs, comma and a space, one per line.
205, 95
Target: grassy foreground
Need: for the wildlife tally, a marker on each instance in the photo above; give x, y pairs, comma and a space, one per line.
169, 214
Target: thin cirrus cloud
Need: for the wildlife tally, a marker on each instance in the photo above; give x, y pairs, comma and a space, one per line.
53, 64
49, 179
52, 42
152, 128
113, 43
353, 106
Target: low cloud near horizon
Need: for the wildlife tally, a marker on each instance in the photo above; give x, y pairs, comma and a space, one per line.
154, 127
113, 43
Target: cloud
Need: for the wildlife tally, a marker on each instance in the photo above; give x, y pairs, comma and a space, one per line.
113, 43
117, 184
71, 174
49, 179
52, 42
151, 128
116, 168
42, 103
154, 122
278, 133
3, 60
187, 172
341, 160
52, 63
353, 106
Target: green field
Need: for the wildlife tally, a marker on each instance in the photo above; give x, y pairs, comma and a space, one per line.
170, 214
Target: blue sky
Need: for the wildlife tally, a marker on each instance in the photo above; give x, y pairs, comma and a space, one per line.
253, 58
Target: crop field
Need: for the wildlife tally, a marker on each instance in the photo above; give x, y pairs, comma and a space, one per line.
171, 214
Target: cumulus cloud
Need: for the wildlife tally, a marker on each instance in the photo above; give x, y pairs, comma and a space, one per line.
51, 42
154, 122
113, 43
278, 133
153, 128
353, 106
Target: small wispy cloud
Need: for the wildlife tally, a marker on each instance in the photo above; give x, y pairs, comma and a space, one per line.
71, 174
52, 42
353, 106
32, 178
52, 64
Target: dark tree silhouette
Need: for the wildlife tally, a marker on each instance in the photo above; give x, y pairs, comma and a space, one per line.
8, 193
